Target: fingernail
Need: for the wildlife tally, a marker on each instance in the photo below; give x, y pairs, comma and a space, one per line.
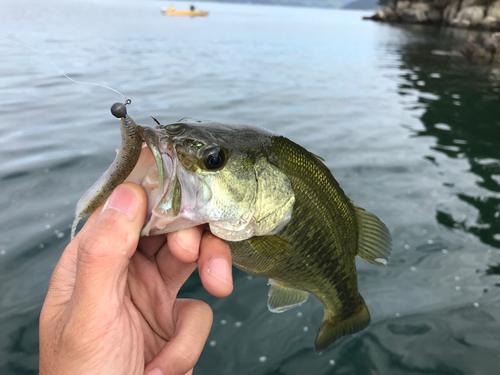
124, 200
220, 269
155, 371
188, 239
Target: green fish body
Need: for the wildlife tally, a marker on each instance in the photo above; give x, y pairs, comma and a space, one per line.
277, 205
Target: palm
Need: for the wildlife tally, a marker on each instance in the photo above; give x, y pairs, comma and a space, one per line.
144, 319
112, 302
155, 278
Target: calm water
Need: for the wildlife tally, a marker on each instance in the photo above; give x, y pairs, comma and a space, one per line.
410, 130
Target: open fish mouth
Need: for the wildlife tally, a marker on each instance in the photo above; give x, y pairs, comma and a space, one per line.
176, 196
193, 174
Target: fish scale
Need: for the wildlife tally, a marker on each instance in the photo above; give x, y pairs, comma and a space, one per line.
322, 262
335, 248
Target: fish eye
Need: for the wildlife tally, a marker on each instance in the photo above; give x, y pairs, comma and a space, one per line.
213, 158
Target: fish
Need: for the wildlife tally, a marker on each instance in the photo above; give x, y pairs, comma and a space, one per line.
277, 205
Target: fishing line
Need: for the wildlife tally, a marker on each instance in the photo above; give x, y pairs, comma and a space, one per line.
64, 74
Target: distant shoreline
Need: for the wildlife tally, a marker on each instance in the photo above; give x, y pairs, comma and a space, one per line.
465, 14
318, 4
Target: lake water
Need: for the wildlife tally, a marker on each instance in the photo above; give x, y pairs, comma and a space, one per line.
410, 130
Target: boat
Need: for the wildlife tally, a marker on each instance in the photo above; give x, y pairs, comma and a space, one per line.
190, 13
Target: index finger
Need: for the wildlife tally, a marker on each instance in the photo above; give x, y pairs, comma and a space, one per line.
185, 243
212, 254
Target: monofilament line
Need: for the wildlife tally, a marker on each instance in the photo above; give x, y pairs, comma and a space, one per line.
62, 72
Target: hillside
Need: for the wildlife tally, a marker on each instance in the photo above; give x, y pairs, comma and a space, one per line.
362, 4
300, 3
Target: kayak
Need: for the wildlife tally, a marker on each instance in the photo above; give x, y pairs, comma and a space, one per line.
191, 13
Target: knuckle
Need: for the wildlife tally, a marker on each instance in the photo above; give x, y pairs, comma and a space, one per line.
217, 245
204, 310
91, 248
113, 228
89, 243
106, 232
185, 356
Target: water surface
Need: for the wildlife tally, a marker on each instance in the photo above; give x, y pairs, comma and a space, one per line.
410, 130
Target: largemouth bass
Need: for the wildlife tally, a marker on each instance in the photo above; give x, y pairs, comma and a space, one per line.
277, 205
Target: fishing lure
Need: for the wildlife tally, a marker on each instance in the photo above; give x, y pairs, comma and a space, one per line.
126, 158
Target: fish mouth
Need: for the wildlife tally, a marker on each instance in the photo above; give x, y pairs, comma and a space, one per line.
175, 196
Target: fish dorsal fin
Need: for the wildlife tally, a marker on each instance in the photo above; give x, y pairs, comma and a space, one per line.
270, 246
283, 297
374, 242
318, 157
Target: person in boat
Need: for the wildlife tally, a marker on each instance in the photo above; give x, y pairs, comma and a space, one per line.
172, 8
112, 305
192, 8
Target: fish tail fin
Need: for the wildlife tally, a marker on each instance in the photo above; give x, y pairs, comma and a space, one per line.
333, 328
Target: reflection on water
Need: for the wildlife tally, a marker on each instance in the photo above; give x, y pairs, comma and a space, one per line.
487, 225
22, 347
461, 111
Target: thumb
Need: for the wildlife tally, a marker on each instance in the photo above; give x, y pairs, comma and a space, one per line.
104, 251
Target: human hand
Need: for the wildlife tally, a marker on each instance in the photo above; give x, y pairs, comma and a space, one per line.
113, 310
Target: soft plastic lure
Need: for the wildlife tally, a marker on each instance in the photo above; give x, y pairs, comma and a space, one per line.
125, 161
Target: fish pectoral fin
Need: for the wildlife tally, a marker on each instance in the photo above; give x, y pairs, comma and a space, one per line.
270, 246
283, 297
334, 326
374, 242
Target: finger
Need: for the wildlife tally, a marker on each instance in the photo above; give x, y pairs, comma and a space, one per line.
173, 271
185, 243
105, 249
150, 245
154, 284
152, 298
62, 281
193, 320
214, 265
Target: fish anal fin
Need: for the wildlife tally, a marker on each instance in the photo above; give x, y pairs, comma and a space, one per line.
270, 246
283, 297
374, 242
333, 327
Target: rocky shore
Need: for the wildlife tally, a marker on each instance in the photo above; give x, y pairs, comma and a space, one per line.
484, 50
468, 14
